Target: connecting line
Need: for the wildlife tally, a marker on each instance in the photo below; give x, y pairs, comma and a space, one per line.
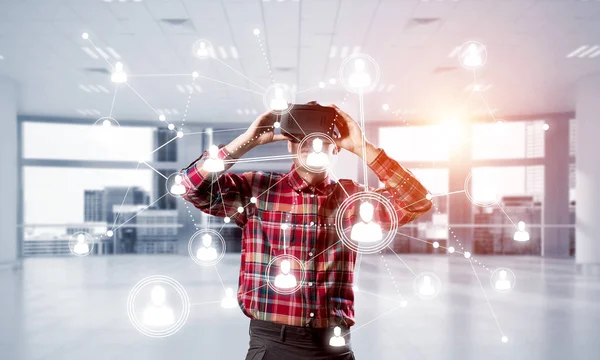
486, 105
357, 268
450, 193
405, 264
144, 209
486, 298
228, 84
219, 275
364, 139
124, 198
239, 73
425, 241
112, 106
222, 202
144, 100
377, 318
501, 208
212, 185
300, 127
337, 179
263, 158
256, 288
292, 135
158, 172
163, 145
101, 53
156, 75
217, 131
330, 246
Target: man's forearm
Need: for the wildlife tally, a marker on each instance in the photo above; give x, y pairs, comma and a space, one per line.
370, 152
239, 146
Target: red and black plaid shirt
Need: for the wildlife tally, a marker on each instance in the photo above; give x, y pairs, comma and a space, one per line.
325, 297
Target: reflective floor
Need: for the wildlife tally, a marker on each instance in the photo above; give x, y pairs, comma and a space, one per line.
75, 308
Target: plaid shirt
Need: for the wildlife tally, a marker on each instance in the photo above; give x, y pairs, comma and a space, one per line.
325, 297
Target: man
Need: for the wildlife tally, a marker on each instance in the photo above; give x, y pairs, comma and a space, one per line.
295, 214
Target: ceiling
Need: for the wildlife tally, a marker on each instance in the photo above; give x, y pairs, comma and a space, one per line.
528, 70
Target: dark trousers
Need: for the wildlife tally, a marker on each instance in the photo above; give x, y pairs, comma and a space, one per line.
271, 341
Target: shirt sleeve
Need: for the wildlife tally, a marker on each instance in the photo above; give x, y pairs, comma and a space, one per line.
407, 194
220, 194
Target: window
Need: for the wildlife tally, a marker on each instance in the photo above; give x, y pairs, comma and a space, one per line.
511, 140
493, 182
86, 142
415, 143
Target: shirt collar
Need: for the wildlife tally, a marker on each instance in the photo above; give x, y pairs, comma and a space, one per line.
298, 183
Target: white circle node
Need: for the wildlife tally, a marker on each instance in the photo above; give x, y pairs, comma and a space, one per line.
428, 197
106, 122
403, 303
277, 124
240, 209
85, 36
355, 288
109, 233
171, 126
467, 254
322, 84
227, 220
161, 282
180, 134
256, 32
161, 117
545, 127
332, 81
436, 244
385, 107
504, 339
253, 200
451, 249
284, 226
195, 74
211, 248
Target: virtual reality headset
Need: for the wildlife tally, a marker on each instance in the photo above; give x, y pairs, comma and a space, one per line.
306, 119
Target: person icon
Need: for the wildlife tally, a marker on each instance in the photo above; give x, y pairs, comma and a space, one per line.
206, 252
285, 280
426, 288
229, 302
118, 76
278, 103
502, 284
202, 50
81, 247
337, 340
177, 188
158, 314
359, 79
521, 234
366, 230
317, 158
472, 58
213, 163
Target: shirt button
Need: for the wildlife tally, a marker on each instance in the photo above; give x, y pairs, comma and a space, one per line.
310, 254
312, 314
310, 284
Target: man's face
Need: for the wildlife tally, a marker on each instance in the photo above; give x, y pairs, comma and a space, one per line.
307, 147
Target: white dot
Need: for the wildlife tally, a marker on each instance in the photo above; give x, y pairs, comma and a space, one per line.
171, 126
545, 127
355, 288
276, 125
504, 339
256, 32
451, 249
428, 197
436, 244
403, 303
240, 209
227, 219
385, 107
322, 84
467, 254
109, 233
161, 117
253, 200
85, 36
180, 134
332, 81
284, 226
195, 74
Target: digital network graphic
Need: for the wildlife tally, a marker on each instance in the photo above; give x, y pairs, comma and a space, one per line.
159, 306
